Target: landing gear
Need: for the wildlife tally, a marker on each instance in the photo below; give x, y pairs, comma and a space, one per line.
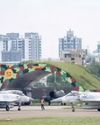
98, 110
73, 108
19, 106
49, 102
19, 109
7, 108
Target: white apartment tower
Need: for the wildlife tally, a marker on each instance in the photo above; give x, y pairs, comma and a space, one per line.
32, 46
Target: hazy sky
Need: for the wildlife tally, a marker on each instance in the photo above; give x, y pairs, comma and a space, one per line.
51, 19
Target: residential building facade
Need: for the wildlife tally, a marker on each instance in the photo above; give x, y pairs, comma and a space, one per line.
69, 42
74, 56
32, 46
70, 48
16, 49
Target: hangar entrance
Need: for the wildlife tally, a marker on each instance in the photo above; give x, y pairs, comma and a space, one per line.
36, 80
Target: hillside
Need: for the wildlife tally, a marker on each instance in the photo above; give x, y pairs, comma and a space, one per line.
80, 73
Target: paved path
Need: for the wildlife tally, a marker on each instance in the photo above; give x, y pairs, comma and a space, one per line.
51, 111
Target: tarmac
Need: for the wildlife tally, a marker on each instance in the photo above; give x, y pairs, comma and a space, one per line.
50, 111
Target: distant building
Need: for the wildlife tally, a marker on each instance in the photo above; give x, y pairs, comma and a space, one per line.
96, 53
74, 56
32, 46
13, 36
1, 49
21, 47
98, 47
14, 48
11, 56
70, 45
69, 42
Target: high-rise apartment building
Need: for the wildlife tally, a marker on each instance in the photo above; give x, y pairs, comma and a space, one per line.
16, 49
32, 46
11, 56
12, 36
12, 48
69, 42
70, 48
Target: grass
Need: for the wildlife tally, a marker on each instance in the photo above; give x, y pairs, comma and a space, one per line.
54, 121
80, 73
86, 79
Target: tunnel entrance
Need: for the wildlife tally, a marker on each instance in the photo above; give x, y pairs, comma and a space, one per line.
44, 78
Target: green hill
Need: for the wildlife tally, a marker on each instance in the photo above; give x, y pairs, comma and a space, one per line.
80, 73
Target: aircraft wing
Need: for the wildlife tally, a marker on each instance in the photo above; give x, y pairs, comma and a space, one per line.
57, 100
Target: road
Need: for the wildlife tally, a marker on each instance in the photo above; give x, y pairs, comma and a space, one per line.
50, 111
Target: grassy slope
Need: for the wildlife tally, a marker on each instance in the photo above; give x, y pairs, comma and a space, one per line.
86, 79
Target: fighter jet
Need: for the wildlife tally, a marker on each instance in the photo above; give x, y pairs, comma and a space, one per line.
25, 100
91, 99
7, 101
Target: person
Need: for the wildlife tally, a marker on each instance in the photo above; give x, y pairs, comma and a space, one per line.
42, 104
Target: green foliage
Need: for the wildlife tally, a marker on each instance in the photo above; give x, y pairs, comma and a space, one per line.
94, 68
86, 78
57, 81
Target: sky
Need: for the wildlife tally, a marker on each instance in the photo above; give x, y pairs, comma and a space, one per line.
52, 19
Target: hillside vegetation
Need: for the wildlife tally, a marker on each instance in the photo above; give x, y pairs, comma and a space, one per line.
86, 79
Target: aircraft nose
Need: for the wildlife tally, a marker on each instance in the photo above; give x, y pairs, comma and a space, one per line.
57, 100
31, 99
